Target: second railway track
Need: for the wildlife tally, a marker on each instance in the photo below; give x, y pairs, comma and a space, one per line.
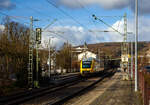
27, 95
63, 94
55, 95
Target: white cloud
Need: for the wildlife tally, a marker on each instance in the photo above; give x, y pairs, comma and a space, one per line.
78, 35
6, 4
115, 36
2, 27
144, 5
107, 4
144, 29
74, 35
143, 34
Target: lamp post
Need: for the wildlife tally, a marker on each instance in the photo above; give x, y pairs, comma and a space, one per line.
136, 40
49, 70
131, 59
131, 41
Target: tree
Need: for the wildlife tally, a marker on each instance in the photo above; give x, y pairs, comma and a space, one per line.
63, 58
13, 50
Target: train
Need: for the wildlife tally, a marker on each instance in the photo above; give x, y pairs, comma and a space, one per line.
89, 65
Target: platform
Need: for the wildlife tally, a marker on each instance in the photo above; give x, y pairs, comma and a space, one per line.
112, 91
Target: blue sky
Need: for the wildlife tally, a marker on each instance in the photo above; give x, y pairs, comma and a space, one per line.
43, 11
80, 17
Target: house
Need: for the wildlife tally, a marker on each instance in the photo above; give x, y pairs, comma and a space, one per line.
86, 54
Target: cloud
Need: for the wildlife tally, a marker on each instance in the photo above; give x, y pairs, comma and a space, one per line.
6, 5
144, 26
115, 36
2, 27
144, 5
107, 4
78, 35
73, 34
143, 34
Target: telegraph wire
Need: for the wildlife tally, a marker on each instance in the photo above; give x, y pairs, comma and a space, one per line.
19, 17
68, 16
37, 11
65, 13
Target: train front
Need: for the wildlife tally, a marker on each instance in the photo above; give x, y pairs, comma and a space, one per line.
86, 66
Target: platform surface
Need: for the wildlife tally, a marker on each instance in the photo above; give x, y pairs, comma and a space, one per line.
112, 91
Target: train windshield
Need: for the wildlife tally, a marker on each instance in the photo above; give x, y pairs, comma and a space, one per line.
86, 64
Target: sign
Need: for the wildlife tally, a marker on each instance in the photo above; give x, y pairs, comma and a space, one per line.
38, 35
124, 58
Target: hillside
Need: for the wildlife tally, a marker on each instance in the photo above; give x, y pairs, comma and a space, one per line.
113, 49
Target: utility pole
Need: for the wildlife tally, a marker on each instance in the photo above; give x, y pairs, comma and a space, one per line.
49, 69
136, 40
49, 57
30, 63
55, 53
128, 58
99, 57
38, 41
31, 46
131, 59
124, 52
70, 58
37, 65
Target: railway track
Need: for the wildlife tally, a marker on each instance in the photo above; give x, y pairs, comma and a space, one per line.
54, 95
21, 97
64, 94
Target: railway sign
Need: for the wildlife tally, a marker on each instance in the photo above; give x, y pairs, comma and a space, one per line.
38, 35
124, 58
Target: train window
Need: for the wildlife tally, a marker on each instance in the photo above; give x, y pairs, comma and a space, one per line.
147, 67
86, 64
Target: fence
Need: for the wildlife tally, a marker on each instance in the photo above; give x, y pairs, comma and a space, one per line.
144, 84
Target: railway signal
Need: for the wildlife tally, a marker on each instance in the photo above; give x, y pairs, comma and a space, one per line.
38, 35
31, 46
38, 41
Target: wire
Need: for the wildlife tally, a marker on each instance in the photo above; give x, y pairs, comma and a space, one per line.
14, 16
64, 38
86, 10
106, 24
65, 13
83, 7
70, 16
119, 24
36, 10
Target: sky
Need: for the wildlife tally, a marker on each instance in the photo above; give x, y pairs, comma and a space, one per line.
74, 22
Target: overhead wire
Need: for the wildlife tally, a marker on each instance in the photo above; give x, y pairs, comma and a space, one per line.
35, 10
59, 23
65, 13
60, 36
100, 16
90, 13
17, 18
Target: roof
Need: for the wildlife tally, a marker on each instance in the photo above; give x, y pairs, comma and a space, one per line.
87, 52
87, 59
